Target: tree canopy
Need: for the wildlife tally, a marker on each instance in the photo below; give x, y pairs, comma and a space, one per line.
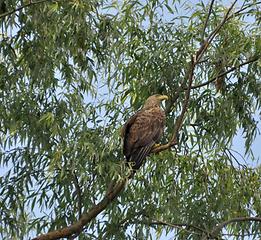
72, 72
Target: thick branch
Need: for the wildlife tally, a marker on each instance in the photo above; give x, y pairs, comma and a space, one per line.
225, 73
22, 7
86, 217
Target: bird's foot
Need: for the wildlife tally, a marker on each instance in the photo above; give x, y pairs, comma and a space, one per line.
155, 146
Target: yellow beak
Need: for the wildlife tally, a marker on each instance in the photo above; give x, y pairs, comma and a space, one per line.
163, 97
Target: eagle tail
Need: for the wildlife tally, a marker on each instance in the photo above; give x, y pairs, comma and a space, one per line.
139, 155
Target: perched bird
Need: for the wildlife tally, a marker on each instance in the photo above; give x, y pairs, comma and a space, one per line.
141, 132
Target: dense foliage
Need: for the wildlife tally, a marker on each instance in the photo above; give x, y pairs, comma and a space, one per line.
71, 72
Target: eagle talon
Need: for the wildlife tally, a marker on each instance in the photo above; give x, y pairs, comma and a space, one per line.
155, 146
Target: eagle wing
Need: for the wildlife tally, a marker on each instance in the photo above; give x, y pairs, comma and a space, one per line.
140, 133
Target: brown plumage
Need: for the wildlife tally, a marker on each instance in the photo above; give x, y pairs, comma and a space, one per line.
143, 130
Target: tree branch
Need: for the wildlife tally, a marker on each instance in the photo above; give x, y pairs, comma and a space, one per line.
172, 225
78, 192
22, 7
206, 233
86, 217
225, 73
211, 234
219, 227
237, 13
207, 19
212, 35
180, 226
194, 61
180, 118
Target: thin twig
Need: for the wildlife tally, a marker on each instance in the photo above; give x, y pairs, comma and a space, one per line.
220, 226
212, 35
22, 7
235, 159
225, 73
207, 19
237, 13
78, 193
241, 235
180, 226
240, 156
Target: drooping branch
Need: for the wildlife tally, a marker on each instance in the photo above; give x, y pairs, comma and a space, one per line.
31, 3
